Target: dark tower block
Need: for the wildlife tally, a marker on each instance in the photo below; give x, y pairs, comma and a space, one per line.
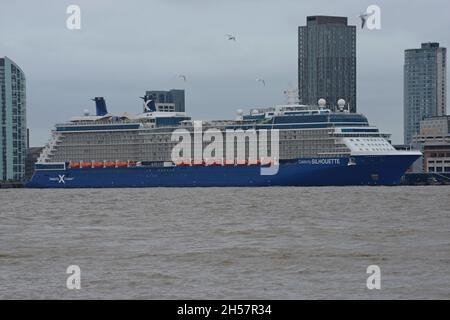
327, 61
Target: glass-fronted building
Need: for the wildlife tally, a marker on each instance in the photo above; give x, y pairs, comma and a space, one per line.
13, 127
327, 61
424, 86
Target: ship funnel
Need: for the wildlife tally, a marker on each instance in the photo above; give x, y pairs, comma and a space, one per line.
100, 106
149, 103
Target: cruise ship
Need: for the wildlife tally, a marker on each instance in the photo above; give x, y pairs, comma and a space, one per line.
297, 145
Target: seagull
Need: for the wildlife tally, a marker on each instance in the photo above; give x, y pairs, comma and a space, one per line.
262, 81
231, 37
182, 76
364, 17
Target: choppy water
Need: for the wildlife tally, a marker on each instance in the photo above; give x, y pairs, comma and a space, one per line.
233, 243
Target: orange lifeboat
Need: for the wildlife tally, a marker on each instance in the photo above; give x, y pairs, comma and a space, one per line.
241, 162
229, 162
217, 163
132, 163
183, 163
110, 164
213, 162
122, 164
253, 162
86, 164
97, 164
74, 165
266, 161
198, 162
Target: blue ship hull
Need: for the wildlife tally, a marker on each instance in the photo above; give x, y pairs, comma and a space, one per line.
361, 170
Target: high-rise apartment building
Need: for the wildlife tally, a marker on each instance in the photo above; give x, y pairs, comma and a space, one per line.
327, 61
13, 127
424, 86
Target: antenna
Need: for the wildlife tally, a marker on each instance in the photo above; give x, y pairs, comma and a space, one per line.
291, 95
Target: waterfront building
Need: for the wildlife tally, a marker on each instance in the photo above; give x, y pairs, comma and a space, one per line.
167, 101
424, 86
13, 127
327, 61
434, 141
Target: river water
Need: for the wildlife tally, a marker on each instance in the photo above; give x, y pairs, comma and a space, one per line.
226, 243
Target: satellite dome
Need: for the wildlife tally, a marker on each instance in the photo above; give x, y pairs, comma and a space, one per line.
86, 112
239, 112
341, 102
322, 102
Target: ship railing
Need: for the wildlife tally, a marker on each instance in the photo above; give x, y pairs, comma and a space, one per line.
344, 153
103, 121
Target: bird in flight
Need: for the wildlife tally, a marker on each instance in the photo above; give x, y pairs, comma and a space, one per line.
182, 76
364, 17
231, 37
262, 81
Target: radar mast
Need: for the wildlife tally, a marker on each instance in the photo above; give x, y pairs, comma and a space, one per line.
291, 95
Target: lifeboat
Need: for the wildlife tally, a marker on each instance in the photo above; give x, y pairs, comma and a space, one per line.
213, 162
183, 163
121, 164
86, 165
253, 162
97, 164
198, 162
217, 163
229, 162
74, 165
132, 163
241, 162
266, 161
110, 164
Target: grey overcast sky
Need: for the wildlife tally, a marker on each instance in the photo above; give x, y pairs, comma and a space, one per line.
127, 47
